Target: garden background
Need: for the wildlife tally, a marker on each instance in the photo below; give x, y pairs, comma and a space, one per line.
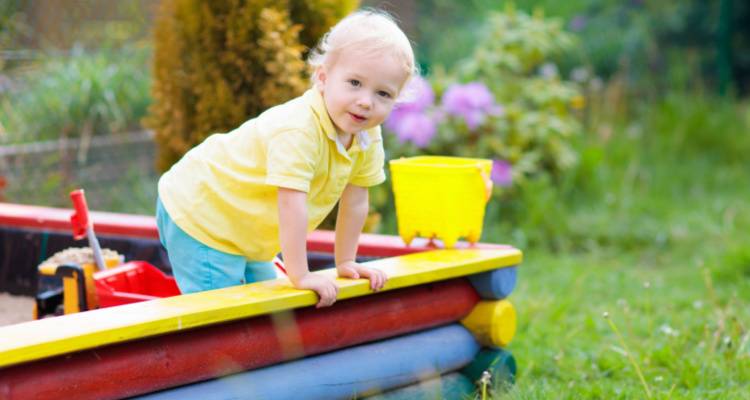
619, 130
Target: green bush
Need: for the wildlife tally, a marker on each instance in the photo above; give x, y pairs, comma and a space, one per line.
217, 64
84, 94
512, 58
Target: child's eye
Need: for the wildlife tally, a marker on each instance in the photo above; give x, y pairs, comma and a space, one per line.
355, 82
385, 94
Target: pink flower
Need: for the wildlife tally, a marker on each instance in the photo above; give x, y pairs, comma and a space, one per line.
410, 119
502, 173
473, 102
417, 95
415, 127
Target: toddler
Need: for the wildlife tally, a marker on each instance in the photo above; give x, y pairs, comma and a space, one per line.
232, 202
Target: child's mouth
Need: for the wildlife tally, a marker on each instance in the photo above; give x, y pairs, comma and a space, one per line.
357, 118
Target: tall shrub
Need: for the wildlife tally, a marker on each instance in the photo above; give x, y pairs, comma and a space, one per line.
217, 64
317, 16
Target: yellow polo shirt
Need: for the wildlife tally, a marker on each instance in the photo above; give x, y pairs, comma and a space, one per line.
223, 192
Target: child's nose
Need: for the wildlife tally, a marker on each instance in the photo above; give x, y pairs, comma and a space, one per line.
364, 102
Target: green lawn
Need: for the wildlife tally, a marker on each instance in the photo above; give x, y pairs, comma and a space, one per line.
656, 235
685, 322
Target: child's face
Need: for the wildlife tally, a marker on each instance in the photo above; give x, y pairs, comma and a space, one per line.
360, 90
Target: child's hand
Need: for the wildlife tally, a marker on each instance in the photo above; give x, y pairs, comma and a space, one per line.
487, 185
352, 270
324, 287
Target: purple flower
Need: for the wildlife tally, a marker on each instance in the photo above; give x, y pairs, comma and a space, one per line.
502, 173
415, 127
417, 95
473, 102
410, 120
578, 23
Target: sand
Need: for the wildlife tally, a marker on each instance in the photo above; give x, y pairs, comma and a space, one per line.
15, 309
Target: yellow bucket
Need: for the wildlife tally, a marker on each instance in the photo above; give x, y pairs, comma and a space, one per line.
440, 197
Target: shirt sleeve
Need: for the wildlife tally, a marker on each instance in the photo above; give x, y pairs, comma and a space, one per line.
290, 160
370, 171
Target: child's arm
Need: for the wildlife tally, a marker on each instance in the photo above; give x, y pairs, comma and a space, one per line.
293, 238
353, 208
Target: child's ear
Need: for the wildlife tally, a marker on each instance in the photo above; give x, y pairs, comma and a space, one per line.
320, 77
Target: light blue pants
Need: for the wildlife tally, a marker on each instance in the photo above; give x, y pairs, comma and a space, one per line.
197, 267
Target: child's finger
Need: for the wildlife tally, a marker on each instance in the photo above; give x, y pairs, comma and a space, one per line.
349, 272
372, 276
331, 292
327, 295
335, 290
326, 299
377, 280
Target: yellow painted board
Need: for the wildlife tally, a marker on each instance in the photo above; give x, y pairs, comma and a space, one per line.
64, 334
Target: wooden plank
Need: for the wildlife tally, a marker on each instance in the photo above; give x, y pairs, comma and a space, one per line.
58, 220
55, 336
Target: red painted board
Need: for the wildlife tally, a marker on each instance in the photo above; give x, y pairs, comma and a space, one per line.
143, 226
161, 362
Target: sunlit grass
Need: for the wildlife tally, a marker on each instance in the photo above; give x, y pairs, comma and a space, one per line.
659, 241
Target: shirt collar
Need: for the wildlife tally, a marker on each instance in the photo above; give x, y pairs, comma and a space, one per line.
315, 99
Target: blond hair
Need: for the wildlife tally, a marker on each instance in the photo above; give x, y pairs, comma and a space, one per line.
368, 30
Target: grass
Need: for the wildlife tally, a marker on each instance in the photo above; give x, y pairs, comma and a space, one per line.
655, 233
685, 327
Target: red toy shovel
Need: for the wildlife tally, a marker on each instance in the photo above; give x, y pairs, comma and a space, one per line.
83, 227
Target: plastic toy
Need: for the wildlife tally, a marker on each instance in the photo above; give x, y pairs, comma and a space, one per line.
440, 197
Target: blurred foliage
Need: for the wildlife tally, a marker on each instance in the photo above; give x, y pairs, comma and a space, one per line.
640, 156
540, 110
12, 22
675, 167
317, 17
642, 39
116, 171
63, 24
75, 69
539, 118
510, 58
88, 93
13, 27
682, 126
218, 64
